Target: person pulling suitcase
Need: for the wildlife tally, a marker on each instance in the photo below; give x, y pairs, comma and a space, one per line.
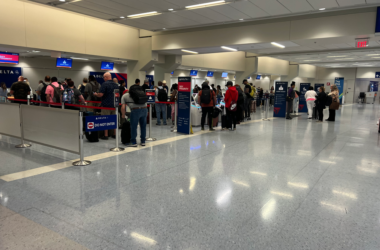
230, 100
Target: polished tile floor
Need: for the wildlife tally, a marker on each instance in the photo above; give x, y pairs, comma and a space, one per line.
269, 185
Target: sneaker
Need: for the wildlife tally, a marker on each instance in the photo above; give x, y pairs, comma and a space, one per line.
158, 124
165, 124
249, 118
113, 136
131, 145
288, 118
309, 118
211, 129
104, 138
202, 128
143, 144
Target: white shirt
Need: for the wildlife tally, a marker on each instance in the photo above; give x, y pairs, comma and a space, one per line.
310, 95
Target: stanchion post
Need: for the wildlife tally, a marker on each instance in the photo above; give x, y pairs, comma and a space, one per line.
266, 109
117, 148
175, 118
150, 124
63, 104
81, 161
23, 144
28, 98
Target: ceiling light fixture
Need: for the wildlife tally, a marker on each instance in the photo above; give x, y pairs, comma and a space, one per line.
204, 5
122, 17
241, 19
278, 45
170, 9
322, 8
78, 58
62, 0
373, 55
336, 56
311, 60
189, 51
228, 48
345, 59
376, 57
152, 13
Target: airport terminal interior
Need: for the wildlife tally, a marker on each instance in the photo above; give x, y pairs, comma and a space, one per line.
300, 171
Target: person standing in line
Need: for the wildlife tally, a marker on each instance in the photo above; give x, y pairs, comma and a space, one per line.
207, 100
20, 90
240, 102
173, 98
82, 87
115, 80
290, 99
73, 95
161, 96
231, 100
165, 86
219, 93
310, 100
139, 113
248, 99
106, 93
145, 86
321, 102
195, 90
3, 91
92, 87
334, 94
213, 88
54, 92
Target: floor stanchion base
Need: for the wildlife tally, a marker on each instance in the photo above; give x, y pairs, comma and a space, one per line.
23, 146
117, 149
81, 163
151, 139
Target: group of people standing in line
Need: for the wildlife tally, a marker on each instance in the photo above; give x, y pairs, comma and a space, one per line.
318, 99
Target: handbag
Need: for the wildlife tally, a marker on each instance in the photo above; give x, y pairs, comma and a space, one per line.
335, 103
233, 106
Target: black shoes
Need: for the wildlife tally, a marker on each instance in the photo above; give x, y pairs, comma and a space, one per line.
104, 138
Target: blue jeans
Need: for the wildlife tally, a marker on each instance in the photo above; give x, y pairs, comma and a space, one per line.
138, 116
161, 107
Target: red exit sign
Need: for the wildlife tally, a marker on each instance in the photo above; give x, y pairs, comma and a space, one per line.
361, 44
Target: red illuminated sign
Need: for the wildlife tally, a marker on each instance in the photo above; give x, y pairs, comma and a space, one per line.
361, 44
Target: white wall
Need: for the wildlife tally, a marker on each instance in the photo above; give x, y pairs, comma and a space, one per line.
36, 69
202, 76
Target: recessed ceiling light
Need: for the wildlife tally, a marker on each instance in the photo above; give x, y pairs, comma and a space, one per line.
336, 56
152, 13
344, 59
322, 8
278, 45
376, 57
373, 55
241, 19
62, 0
189, 51
311, 60
122, 17
164, 28
78, 58
204, 5
170, 9
228, 48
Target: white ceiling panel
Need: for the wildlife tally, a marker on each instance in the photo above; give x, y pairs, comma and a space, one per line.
271, 6
208, 12
249, 9
317, 4
195, 16
372, 1
182, 3
350, 2
109, 7
172, 20
138, 5
86, 11
160, 4
296, 5
233, 13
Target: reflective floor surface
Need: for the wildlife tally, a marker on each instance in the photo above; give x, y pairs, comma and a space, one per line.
275, 184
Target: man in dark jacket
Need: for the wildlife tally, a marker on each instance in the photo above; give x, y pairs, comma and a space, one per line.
290, 98
20, 90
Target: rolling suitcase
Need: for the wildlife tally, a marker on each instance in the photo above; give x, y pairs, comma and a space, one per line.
90, 136
226, 121
126, 132
315, 113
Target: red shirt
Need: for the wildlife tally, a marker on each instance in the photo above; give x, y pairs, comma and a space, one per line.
212, 99
231, 95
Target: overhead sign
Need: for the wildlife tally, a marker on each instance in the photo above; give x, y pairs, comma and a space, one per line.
9, 58
64, 63
151, 94
373, 86
10, 75
339, 82
361, 43
107, 66
119, 76
99, 123
377, 75
377, 29
281, 89
210, 74
304, 87
193, 72
184, 104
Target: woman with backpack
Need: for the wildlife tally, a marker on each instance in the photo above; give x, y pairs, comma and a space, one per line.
334, 98
207, 100
231, 100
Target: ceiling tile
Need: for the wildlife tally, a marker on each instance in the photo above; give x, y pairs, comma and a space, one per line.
343, 3
296, 5
230, 12
109, 7
137, 5
249, 9
272, 7
195, 16
317, 4
212, 14
86, 11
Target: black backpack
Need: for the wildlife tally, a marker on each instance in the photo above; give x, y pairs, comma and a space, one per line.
43, 92
82, 88
95, 88
206, 96
162, 95
138, 95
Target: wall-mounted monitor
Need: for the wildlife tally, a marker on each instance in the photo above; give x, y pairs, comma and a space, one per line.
9, 58
210, 74
224, 74
107, 66
258, 77
64, 63
172, 73
193, 72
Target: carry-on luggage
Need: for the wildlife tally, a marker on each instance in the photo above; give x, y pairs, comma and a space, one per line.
215, 122
126, 132
90, 136
253, 107
226, 121
315, 113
